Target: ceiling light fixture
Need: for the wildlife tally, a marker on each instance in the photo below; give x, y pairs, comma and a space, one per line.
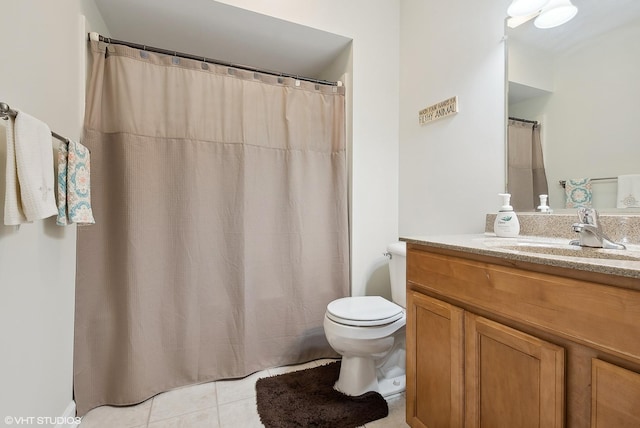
516, 21
555, 13
525, 7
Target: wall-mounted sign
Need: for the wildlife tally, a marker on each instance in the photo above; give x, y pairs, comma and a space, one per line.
438, 111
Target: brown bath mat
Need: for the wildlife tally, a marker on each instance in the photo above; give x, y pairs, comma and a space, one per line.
306, 398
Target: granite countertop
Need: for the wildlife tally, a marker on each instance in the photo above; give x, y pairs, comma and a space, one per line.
534, 249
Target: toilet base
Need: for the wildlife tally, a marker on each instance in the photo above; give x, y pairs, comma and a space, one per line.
359, 375
392, 371
392, 386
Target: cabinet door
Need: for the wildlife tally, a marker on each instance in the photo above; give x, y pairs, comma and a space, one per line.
615, 396
435, 358
512, 379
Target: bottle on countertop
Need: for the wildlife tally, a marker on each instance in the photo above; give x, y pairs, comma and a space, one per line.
543, 207
506, 224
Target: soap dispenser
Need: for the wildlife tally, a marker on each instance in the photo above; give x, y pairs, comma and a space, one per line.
506, 224
543, 207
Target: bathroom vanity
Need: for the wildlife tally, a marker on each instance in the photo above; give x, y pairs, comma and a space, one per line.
501, 333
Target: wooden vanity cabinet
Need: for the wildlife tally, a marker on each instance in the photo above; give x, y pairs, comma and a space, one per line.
491, 345
435, 360
512, 379
615, 396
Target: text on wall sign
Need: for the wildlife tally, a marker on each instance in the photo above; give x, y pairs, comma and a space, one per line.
438, 110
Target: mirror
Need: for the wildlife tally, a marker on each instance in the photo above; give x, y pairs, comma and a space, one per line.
581, 82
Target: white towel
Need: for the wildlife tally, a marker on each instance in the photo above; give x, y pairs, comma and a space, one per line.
13, 214
34, 164
628, 191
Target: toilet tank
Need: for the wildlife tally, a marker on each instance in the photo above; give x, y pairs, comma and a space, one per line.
398, 272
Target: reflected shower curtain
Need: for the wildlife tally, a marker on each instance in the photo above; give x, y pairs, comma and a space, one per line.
526, 176
221, 234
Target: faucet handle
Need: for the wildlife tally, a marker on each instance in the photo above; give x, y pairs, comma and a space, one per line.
588, 216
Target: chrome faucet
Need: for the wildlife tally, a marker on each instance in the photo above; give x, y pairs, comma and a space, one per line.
591, 234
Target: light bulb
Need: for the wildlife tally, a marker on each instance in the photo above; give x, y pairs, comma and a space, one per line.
525, 7
556, 13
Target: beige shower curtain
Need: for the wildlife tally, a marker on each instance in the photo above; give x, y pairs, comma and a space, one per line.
221, 234
526, 176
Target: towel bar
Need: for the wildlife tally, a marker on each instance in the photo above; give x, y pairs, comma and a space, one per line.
563, 183
6, 112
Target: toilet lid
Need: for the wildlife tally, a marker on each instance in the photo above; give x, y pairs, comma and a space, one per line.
364, 311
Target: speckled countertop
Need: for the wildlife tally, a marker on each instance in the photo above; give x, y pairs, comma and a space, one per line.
488, 244
620, 227
544, 240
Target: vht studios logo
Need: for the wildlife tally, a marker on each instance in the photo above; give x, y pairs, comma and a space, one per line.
41, 420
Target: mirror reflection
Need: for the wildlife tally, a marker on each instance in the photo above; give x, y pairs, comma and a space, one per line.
580, 82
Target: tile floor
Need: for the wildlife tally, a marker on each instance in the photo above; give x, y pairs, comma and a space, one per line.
221, 404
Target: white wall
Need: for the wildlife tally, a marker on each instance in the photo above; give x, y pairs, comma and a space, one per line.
530, 66
452, 169
42, 74
374, 27
589, 124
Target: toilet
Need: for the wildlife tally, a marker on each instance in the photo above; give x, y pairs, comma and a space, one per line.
369, 333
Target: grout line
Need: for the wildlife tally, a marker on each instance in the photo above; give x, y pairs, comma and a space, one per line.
182, 415
153, 400
218, 406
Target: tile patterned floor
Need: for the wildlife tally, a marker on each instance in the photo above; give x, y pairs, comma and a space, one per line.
221, 404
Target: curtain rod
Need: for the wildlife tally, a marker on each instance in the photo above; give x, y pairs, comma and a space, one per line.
97, 37
517, 119
6, 112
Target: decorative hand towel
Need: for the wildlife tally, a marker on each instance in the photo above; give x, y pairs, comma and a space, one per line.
578, 191
34, 163
61, 183
74, 185
13, 214
628, 191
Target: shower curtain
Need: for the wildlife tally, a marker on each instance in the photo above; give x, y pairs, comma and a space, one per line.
526, 177
220, 198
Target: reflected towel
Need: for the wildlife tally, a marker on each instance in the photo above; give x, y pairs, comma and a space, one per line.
13, 214
578, 192
628, 191
74, 185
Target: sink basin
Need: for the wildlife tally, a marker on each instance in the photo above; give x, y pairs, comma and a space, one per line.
561, 248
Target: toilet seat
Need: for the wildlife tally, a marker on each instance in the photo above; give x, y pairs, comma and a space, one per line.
364, 311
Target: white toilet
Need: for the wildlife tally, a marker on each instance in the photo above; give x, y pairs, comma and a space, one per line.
369, 333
